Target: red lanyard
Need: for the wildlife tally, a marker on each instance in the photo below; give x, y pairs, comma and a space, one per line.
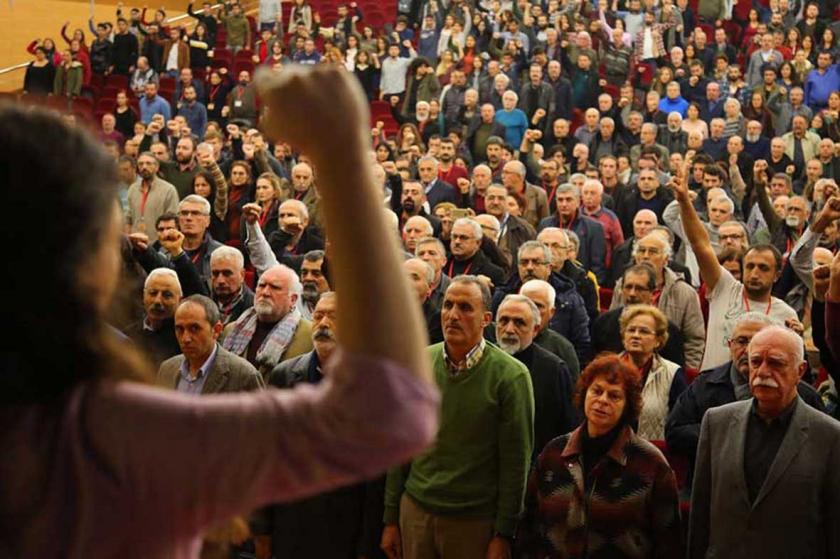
452, 268
747, 303
213, 92
145, 196
264, 215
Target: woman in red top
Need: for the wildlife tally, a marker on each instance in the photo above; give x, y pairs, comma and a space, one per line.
78, 35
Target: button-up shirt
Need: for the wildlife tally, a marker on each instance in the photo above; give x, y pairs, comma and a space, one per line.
764, 438
471, 360
194, 385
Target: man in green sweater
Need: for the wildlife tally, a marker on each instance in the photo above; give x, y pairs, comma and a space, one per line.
461, 499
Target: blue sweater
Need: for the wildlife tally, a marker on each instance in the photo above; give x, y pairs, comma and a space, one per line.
515, 123
668, 105
158, 105
818, 87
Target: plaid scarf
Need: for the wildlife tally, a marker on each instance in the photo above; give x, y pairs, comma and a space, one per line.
275, 343
227, 308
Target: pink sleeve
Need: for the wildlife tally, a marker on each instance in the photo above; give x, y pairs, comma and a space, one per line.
198, 461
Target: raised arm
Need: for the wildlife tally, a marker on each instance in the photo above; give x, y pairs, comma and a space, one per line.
697, 235
300, 101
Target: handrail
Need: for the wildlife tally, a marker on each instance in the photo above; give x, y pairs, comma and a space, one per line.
173, 19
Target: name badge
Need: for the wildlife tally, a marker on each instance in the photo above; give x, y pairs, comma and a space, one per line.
211, 106
237, 104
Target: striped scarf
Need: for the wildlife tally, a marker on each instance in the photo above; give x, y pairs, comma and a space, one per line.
274, 345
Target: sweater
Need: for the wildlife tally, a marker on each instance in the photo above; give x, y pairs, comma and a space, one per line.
478, 465
515, 123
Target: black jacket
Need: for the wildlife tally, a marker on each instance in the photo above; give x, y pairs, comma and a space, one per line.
431, 314
606, 336
343, 523
479, 264
159, 345
710, 389
554, 414
630, 203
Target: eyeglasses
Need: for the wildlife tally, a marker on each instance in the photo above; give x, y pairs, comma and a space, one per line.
740, 341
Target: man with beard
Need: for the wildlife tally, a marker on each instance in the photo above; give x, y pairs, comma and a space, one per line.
152, 104
338, 523
156, 332
149, 197
412, 202
193, 111
517, 322
467, 256
242, 101
420, 276
729, 298
431, 251
273, 330
513, 231
570, 318
638, 285
314, 281
448, 172
756, 145
721, 385
227, 283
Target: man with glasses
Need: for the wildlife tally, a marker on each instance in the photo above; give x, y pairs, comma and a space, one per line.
570, 319
722, 385
558, 241
513, 231
637, 288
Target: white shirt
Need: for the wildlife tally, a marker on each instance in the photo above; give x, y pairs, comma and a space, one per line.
727, 301
647, 45
172, 61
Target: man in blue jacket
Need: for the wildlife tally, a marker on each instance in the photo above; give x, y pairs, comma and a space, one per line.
822, 81
570, 319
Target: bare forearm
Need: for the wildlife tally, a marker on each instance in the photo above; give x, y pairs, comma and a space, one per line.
698, 237
364, 276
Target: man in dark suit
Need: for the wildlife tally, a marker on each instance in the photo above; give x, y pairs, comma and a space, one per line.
722, 385
517, 322
155, 334
436, 190
765, 482
204, 367
346, 522
421, 275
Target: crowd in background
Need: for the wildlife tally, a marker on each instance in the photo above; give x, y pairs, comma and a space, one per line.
617, 215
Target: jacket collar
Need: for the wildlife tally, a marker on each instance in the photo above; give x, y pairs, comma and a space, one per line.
574, 447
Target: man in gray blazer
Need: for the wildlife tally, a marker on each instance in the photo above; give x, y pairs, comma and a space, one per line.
767, 478
204, 367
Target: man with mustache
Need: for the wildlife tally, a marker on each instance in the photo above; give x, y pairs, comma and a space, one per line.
421, 274
156, 333
517, 322
313, 280
765, 481
310, 527
721, 385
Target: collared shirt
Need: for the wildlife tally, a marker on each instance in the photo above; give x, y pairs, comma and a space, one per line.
471, 360
189, 385
764, 438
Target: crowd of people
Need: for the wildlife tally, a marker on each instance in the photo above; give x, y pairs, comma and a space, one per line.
616, 216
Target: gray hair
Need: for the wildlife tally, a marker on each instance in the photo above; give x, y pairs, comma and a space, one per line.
669, 252
225, 252
426, 223
295, 286
469, 279
427, 240
739, 224
535, 245
753, 317
649, 126
517, 167
543, 286
163, 272
195, 199
573, 238
568, 187
477, 232
799, 351
211, 309
430, 272
426, 159
726, 199
594, 182
301, 207
516, 298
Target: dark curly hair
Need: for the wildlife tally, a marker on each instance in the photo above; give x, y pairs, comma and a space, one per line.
615, 371
58, 185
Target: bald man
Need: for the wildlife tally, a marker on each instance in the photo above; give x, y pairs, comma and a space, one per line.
760, 460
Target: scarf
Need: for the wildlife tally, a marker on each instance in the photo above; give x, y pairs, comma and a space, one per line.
227, 308
275, 343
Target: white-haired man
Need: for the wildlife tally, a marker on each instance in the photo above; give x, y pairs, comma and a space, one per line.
156, 332
227, 283
765, 455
